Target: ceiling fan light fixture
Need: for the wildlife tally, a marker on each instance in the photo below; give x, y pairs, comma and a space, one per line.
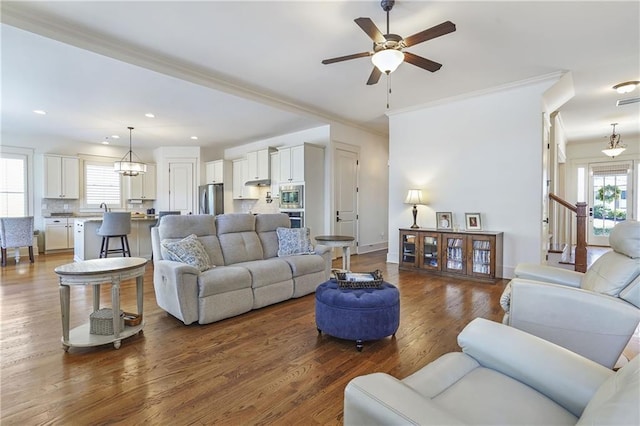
626, 87
130, 167
387, 60
615, 147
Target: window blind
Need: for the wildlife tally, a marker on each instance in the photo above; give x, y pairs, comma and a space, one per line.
619, 169
13, 190
102, 184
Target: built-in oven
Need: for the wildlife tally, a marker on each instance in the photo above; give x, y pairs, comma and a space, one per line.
296, 218
291, 196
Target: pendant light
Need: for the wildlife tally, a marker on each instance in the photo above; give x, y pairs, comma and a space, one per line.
615, 146
129, 168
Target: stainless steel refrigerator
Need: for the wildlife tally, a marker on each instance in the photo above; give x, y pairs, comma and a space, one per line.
211, 199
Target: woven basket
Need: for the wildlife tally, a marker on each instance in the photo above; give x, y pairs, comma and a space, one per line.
101, 321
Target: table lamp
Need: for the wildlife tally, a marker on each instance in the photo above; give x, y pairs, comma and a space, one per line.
414, 196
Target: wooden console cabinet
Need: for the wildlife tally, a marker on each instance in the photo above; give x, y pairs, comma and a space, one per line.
469, 254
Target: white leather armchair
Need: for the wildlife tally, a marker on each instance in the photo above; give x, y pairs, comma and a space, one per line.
593, 314
503, 376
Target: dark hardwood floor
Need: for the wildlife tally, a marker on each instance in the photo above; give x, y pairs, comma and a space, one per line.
268, 366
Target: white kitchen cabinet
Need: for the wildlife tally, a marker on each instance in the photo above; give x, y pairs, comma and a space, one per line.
58, 233
214, 171
240, 190
292, 164
143, 186
259, 164
61, 177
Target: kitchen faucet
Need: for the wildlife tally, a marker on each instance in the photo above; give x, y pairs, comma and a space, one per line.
104, 205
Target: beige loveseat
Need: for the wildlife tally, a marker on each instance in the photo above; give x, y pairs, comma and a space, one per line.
248, 273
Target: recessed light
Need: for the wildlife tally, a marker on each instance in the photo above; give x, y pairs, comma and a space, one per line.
626, 87
149, 115
105, 142
39, 111
195, 138
115, 136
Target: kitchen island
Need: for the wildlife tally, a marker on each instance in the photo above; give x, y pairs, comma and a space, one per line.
87, 242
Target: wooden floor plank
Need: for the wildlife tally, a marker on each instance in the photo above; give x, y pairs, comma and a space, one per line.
268, 366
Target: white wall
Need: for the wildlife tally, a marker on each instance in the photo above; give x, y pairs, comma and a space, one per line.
481, 154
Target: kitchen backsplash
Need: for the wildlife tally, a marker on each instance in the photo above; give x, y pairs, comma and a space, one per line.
52, 205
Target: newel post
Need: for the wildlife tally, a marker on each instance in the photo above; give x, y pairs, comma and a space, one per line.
581, 237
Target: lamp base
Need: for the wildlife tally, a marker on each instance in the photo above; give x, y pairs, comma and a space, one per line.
415, 215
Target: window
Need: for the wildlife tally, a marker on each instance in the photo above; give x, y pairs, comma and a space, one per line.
101, 184
13, 185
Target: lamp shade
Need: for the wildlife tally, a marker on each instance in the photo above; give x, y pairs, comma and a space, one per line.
414, 196
129, 168
387, 60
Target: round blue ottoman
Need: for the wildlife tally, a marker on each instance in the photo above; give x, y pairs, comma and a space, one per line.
357, 314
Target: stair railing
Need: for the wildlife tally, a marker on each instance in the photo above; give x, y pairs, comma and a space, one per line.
580, 210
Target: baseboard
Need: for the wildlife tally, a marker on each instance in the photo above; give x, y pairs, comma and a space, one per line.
373, 247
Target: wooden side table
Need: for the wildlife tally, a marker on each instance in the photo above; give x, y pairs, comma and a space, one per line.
96, 272
343, 241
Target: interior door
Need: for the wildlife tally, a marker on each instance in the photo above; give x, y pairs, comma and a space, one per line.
346, 193
181, 184
610, 198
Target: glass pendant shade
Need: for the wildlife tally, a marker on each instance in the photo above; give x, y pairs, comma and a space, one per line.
129, 168
387, 60
615, 147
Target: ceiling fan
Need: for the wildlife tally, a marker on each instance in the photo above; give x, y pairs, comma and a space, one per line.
388, 52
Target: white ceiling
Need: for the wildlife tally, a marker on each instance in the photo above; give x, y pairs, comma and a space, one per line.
235, 72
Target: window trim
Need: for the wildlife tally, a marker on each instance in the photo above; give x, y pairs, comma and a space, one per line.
83, 195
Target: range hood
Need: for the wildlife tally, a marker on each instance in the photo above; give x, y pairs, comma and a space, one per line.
259, 182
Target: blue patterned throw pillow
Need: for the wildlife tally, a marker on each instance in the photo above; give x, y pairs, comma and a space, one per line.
293, 241
188, 250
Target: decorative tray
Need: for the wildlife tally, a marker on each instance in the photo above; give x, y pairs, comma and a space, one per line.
359, 279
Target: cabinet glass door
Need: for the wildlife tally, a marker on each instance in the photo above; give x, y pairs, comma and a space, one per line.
408, 247
480, 256
430, 252
455, 254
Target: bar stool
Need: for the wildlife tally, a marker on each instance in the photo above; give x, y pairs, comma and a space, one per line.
115, 225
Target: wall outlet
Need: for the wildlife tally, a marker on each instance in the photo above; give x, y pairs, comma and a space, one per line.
66, 206
44, 207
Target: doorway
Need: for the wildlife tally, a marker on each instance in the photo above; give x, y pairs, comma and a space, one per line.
346, 191
610, 198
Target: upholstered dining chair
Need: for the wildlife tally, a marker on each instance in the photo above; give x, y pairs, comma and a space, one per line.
593, 313
115, 225
16, 232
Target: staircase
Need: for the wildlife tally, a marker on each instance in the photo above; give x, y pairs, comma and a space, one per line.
561, 253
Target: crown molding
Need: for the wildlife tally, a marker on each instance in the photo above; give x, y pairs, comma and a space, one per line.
554, 76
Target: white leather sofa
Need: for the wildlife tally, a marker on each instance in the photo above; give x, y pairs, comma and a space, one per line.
503, 376
593, 314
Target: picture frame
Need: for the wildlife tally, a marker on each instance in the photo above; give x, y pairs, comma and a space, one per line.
444, 220
472, 221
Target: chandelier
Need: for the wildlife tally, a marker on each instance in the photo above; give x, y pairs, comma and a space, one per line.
615, 146
129, 168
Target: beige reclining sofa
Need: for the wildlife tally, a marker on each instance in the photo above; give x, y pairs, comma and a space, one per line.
246, 270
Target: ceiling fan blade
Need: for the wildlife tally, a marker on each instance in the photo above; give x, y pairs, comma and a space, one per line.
433, 32
370, 28
374, 77
346, 58
421, 62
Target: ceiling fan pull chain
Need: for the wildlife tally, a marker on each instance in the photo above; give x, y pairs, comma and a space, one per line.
388, 88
